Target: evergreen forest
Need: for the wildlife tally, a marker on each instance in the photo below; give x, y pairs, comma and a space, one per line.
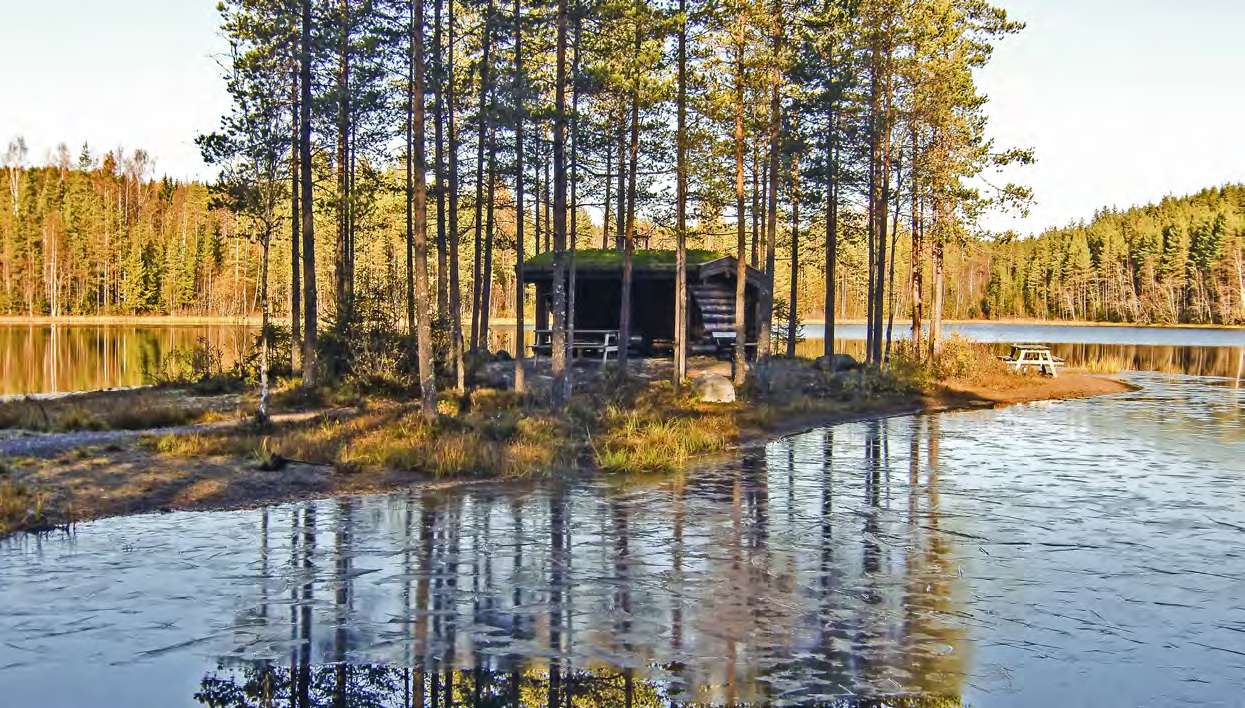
397, 161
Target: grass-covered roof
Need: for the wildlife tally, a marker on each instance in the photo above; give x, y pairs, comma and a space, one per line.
602, 259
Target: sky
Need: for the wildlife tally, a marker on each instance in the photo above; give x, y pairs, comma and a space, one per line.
1123, 101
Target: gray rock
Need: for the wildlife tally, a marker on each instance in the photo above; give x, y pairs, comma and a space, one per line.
712, 388
838, 362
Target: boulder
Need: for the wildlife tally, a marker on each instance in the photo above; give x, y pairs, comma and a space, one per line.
838, 362
502, 356
713, 388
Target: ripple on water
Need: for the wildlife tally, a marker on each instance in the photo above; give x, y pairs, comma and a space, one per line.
1084, 553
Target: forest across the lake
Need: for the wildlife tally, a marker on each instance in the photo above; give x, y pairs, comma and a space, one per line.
99, 236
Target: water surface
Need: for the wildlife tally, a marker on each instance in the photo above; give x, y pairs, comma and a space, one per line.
1073, 553
40, 358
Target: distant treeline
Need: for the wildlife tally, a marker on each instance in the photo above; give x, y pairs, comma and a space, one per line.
96, 235
1182, 260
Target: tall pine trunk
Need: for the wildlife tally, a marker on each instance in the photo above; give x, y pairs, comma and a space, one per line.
343, 167
740, 365
456, 295
620, 237
311, 375
411, 306
490, 223
633, 159
680, 283
883, 210
443, 290
918, 251
572, 278
766, 327
520, 385
427, 373
936, 253
832, 235
609, 184
296, 330
485, 87
894, 247
793, 304
561, 381
264, 327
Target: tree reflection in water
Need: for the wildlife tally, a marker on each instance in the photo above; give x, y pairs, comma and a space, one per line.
813, 572
391, 687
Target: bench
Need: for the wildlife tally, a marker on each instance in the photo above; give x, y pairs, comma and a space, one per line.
724, 347
584, 342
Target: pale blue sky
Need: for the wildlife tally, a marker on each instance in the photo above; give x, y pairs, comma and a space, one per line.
1124, 100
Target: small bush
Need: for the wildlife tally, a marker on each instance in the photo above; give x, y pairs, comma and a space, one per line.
956, 359
199, 367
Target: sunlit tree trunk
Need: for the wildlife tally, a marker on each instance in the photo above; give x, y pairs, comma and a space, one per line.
793, 310
561, 380
624, 335
486, 284
680, 285
427, 373
412, 60
443, 291
574, 206
918, 250
485, 87
519, 384
343, 168
456, 296
832, 233
296, 331
264, 326
609, 184
765, 329
740, 366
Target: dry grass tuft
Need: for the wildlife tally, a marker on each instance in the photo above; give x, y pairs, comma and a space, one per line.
22, 506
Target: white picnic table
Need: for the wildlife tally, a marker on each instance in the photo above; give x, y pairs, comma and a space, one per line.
1037, 356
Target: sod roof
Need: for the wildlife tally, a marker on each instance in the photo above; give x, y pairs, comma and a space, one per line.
601, 259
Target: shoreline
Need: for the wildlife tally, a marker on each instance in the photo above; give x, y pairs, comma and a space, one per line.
120, 479
135, 320
1022, 322
508, 322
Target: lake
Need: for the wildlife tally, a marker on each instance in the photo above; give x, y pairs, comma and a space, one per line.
44, 359
40, 358
1086, 552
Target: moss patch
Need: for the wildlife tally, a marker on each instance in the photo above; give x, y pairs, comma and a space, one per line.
602, 259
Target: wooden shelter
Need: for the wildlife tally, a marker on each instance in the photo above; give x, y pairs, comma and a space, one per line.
711, 279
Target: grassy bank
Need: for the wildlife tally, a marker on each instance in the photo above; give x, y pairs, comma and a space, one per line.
135, 409
615, 424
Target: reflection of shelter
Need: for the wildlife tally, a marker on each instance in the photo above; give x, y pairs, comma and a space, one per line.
711, 282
